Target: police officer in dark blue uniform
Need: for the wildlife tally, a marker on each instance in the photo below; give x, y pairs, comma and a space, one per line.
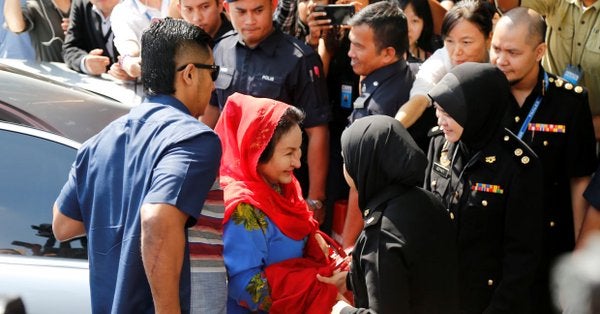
262, 61
553, 117
490, 182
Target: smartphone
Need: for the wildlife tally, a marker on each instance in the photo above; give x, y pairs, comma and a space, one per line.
339, 14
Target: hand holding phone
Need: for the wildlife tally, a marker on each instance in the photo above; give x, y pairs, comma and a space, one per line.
339, 14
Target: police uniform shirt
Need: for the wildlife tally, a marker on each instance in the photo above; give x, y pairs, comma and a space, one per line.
493, 196
383, 91
562, 135
280, 67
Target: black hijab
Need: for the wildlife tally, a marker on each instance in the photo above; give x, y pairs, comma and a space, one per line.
476, 96
379, 152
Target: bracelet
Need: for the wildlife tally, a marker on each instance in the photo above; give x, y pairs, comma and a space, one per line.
314, 204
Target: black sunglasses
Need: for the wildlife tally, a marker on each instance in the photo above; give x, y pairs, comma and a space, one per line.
214, 69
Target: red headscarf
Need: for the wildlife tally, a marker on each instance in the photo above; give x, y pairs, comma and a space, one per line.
245, 127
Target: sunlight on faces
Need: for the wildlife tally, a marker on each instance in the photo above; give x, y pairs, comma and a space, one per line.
452, 130
466, 43
253, 19
202, 13
364, 55
286, 157
415, 25
514, 53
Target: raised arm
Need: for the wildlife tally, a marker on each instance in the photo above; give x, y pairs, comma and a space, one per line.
13, 14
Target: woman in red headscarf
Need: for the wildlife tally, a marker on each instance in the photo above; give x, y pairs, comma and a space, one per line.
271, 252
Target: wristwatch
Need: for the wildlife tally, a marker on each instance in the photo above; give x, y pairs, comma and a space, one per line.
314, 204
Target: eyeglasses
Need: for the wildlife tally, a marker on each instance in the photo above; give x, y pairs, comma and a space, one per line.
214, 69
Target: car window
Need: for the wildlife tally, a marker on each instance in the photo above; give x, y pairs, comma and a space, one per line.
32, 173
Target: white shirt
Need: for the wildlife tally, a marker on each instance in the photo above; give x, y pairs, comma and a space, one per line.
129, 19
431, 72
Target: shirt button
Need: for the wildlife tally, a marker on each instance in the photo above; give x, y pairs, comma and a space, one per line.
451, 215
490, 282
518, 152
506, 138
545, 143
517, 119
484, 203
578, 44
552, 224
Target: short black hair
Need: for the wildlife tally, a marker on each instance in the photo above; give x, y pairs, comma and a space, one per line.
162, 43
478, 12
389, 25
292, 116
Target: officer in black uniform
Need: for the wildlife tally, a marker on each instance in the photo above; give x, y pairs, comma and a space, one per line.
490, 182
553, 117
262, 61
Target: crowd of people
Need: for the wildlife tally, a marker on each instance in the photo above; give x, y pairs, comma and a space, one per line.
463, 145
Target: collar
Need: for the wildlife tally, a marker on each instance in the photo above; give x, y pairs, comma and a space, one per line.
102, 18
168, 100
148, 11
385, 195
268, 45
380, 75
224, 28
579, 4
537, 90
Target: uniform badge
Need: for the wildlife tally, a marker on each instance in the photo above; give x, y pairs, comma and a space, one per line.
441, 170
550, 128
490, 159
490, 188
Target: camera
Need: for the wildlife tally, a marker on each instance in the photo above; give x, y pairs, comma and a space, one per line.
339, 14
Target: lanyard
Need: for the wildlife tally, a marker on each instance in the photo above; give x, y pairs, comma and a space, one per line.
533, 109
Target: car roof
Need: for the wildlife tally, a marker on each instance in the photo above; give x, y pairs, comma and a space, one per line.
54, 107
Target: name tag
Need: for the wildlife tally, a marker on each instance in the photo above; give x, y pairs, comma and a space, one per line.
441, 170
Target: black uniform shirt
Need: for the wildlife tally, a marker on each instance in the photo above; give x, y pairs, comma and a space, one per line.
384, 91
562, 135
280, 67
494, 197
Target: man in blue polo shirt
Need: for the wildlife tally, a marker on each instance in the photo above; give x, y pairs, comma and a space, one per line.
136, 186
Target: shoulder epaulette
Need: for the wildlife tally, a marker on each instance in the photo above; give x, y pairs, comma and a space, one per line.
522, 153
435, 131
559, 82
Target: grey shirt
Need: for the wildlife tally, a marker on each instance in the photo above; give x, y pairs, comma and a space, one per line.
43, 21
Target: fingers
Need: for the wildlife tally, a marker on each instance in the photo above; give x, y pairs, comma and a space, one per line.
322, 244
97, 52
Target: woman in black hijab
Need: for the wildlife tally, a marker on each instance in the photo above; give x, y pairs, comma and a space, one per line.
491, 184
404, 260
